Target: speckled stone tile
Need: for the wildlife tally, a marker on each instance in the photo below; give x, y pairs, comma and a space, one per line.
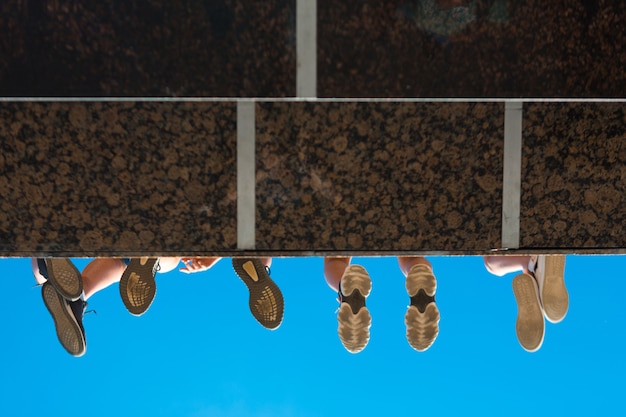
379, 176
477, 48
213, 48
574, 175
107, 178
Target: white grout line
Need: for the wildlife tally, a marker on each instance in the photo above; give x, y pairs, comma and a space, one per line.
246, 176
512, 173
306, 48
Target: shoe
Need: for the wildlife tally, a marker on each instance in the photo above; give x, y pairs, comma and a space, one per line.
354, 317
63, 275
422, 316
549, 271
266, 301
68, 319
137, 285
530, 325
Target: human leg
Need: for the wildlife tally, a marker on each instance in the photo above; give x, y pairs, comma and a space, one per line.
422, 316
502, 265
353, 285
266, 300
101, 273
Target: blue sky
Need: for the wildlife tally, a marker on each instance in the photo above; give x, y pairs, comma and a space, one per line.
198, 351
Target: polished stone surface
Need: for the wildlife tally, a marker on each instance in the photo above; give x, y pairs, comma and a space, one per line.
574, 175
154, 177
379, 176
214, 48
478, 48
110, 178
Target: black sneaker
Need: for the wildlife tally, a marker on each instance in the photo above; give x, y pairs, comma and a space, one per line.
354, 318
137, 285
266, 301
68, 319
62, 273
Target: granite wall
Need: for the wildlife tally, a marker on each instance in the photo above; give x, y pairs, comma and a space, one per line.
114, 178
216, 48
110, 178
369, 48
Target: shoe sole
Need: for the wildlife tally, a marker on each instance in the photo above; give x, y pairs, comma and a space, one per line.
530, 325
354, 328
138, 286
68, 330
554, 294
266, 300
65, 277
422, 321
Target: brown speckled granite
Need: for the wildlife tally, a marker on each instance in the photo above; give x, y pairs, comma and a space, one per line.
561, 48
574, 175
379, 176
110, 178
217, 48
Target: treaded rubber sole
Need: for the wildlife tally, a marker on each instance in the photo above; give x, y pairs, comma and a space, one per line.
554, 293
530, 325
421, 319
65, 277
421, 277
68, 330
422, 328
355, 277
354, 328
137, 285
266, 300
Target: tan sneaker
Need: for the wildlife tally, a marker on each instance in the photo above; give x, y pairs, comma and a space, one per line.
530, 325
549, 272
137, 285
354, 318
422, 316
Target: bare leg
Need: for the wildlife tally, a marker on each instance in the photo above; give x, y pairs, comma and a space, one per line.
100, 273
502, 265
168, 264
38, 277
333, 271
407, 262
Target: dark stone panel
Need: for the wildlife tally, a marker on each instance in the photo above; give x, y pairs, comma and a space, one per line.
574, 175
216, 48
379, 176
478, 48
106, 178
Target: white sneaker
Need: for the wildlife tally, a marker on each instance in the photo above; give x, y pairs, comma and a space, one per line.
549, 271
530, 325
